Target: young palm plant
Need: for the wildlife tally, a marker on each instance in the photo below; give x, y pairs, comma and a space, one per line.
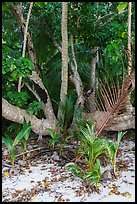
112, 100
91, 147
26, 126
112, 148
22, 135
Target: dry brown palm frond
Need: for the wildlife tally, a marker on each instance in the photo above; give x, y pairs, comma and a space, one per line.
112, 100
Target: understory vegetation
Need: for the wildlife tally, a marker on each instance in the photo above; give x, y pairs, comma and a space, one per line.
68, 74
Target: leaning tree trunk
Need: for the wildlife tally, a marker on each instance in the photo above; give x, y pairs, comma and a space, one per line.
16, 114
64, 77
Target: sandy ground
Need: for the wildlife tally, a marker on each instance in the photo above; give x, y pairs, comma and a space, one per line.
45, 180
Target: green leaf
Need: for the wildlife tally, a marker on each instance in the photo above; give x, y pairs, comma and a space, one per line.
123, 35
90, 129
21, 135
7, 141
110, 147
75, 169
94, 175
30, 112
97, 165
40, 4
88, 133
25, 126
3, 41
98, 148
24, 96
34, 107
122, 6
14, 74
115, 45
52, 134
31, 66
120, 135
3, 71
54, 140
5, 6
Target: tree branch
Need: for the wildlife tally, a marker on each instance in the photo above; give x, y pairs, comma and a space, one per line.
101, 25
37, 97
16, 114
75, 78
17, 11
100, 18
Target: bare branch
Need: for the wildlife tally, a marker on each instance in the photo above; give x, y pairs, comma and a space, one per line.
34, 93
17, 11
100, 25
100, 18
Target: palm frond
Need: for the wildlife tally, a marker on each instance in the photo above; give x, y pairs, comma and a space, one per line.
112, 99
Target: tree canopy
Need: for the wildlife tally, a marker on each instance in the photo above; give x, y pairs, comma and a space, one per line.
100, 26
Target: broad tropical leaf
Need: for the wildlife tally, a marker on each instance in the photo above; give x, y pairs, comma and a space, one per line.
7, 141
22, 133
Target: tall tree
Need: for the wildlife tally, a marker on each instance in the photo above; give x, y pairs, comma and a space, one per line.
129, 38
129, 106
64, 76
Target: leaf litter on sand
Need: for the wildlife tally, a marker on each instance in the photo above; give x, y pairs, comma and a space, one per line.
44, 179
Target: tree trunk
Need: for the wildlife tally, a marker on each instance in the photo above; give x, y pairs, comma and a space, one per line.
75, 78
121, 122
129, 39
64, 77
17, 11
17, 115
129, 106
91, 98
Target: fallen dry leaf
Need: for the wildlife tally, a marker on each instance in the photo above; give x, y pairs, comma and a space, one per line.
112, 186
114, 192
80, 193
6, 173
126, 194
59, 199
33, 197
47, 184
